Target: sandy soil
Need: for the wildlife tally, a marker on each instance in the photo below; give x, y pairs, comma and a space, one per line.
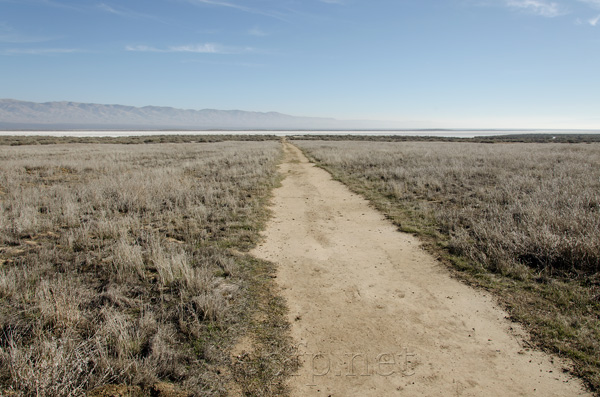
375, 315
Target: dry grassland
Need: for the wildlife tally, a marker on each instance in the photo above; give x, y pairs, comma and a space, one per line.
124, 265
522, 220
18, 140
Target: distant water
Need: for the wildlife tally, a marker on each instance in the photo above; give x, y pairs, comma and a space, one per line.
432, 133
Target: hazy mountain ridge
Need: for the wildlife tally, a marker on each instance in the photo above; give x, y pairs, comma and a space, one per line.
22, 114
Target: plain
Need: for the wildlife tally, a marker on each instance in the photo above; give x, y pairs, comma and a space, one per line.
124, 265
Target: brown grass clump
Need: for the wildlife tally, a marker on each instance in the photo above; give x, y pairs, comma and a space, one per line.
521, 219
122, 265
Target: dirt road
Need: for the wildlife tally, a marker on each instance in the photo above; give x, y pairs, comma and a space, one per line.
375, 315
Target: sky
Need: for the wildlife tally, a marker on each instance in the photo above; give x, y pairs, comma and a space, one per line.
413, 63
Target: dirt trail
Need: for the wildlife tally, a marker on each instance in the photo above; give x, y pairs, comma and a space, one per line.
375, 315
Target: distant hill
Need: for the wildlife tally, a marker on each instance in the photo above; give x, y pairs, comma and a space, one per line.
16, 114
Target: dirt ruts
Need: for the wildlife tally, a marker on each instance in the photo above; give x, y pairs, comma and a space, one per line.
375, 315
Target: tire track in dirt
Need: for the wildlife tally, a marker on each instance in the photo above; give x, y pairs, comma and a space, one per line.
373, 314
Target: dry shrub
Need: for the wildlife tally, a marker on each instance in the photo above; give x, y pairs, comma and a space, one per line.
58, 303
127, 261
173, 265
51, 367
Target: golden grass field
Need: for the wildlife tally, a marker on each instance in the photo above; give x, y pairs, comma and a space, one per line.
125, 265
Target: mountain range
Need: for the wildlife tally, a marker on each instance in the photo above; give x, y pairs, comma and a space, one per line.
16, 114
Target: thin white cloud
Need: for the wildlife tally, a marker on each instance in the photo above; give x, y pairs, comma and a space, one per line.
206, 48
58, 4
537, 7
220, 63
49, 3
593, 3
111, 10
124, 12
238, 7
223, 4
39, 51
332, 1
9, 35
143, 48
256, 31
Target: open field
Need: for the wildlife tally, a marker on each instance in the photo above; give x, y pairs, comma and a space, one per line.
17, 138
126, 265
65, 137
373, 314
521, 220
459, 136
127, 268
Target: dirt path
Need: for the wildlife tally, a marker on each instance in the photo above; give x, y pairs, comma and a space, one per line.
375, 315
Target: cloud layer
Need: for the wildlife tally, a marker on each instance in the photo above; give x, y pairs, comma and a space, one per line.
39, 51
205, 48
537, 7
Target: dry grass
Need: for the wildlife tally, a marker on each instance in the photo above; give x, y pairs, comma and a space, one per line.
18, 140
124, 265
404, 136
521, 219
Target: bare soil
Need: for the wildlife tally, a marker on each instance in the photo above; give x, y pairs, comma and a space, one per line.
373, 314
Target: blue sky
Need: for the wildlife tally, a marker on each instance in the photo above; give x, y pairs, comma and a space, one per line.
417, 63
